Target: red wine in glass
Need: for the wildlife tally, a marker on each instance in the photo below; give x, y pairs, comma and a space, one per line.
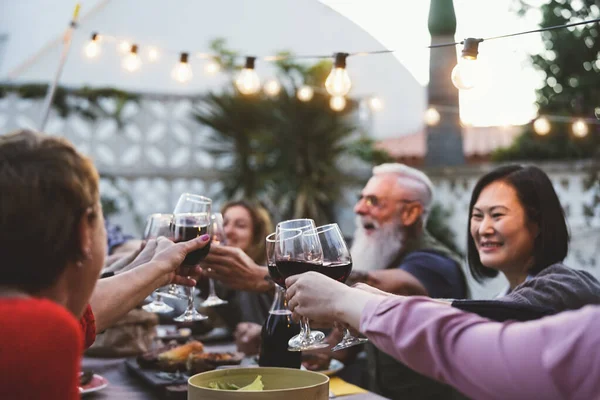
185, 229
338, 271
275, 275
289, 268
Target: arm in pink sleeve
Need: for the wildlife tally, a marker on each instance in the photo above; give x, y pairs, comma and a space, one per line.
553, 358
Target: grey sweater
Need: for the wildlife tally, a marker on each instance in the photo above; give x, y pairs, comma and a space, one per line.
558, 287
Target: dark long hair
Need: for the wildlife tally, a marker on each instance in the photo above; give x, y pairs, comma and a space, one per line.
542, 207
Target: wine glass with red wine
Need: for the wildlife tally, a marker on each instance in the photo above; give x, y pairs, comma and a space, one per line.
158, 225
296, 253
191, 218
273, 271
337, 264
218, 238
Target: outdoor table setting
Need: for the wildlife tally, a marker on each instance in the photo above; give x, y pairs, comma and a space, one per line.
123, 383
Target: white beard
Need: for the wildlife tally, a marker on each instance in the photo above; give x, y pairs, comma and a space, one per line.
375, 251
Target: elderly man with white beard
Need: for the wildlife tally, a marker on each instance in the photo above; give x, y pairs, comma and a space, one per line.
393, 252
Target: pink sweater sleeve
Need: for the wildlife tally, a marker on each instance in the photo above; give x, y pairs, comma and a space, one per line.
556, 357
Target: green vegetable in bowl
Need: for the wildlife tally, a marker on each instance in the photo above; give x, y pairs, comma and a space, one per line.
255, 385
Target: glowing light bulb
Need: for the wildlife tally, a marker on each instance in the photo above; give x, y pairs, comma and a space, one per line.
132, 61
542, 126
305, 93
272, 87
580, 128
338, 82
124, 47
597, 112
92, 49
466, 74
247, 81
337, 103
183, 71
432, 116
153, 54
211, 67
375, 103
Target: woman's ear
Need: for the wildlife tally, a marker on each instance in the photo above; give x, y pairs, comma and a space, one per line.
86, 230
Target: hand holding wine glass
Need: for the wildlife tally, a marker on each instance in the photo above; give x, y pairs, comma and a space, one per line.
296, 253
337, 264
191, 219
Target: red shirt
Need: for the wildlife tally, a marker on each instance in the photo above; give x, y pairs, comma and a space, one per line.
41, 346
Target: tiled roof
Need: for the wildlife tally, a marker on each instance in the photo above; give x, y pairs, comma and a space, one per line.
477, 141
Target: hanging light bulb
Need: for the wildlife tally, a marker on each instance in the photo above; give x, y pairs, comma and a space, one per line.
132, 61
247, 81
597, 112
92, 49
212, 67
305, 93
375, 103
542, 126
432, 116
183, 71
338, 82
466, 73
337, 103
580, 128
124, 47
153, 54
272, 87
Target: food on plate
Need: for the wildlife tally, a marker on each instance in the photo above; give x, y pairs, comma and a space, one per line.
181, 353
202, 362
255, 385
149, 359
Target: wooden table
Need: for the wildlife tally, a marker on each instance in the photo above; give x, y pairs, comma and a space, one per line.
123, 385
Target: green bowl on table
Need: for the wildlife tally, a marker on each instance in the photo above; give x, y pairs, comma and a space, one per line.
279, 383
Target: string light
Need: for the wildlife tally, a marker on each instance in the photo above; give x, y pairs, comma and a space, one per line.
247, 81
580, 128
338, 82
153, 54
132, 61
337, 103
124, 47
432, 116
92, 49
272, 87
305, 93
212, 67
183, 71
542, 126
375, 103
465, 75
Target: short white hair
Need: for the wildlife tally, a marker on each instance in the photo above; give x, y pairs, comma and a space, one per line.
416, 181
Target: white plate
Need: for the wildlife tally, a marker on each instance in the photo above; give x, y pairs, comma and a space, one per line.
335, 366
97, 383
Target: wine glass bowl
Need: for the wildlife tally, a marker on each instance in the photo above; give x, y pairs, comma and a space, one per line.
191, 219
296, 253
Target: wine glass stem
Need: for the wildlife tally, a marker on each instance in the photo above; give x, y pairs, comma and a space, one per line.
190, 293
304, 329
211, 288
347, 334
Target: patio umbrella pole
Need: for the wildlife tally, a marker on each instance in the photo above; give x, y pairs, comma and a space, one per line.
63, 58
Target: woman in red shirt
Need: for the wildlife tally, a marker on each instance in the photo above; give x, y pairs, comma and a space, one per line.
52, 247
